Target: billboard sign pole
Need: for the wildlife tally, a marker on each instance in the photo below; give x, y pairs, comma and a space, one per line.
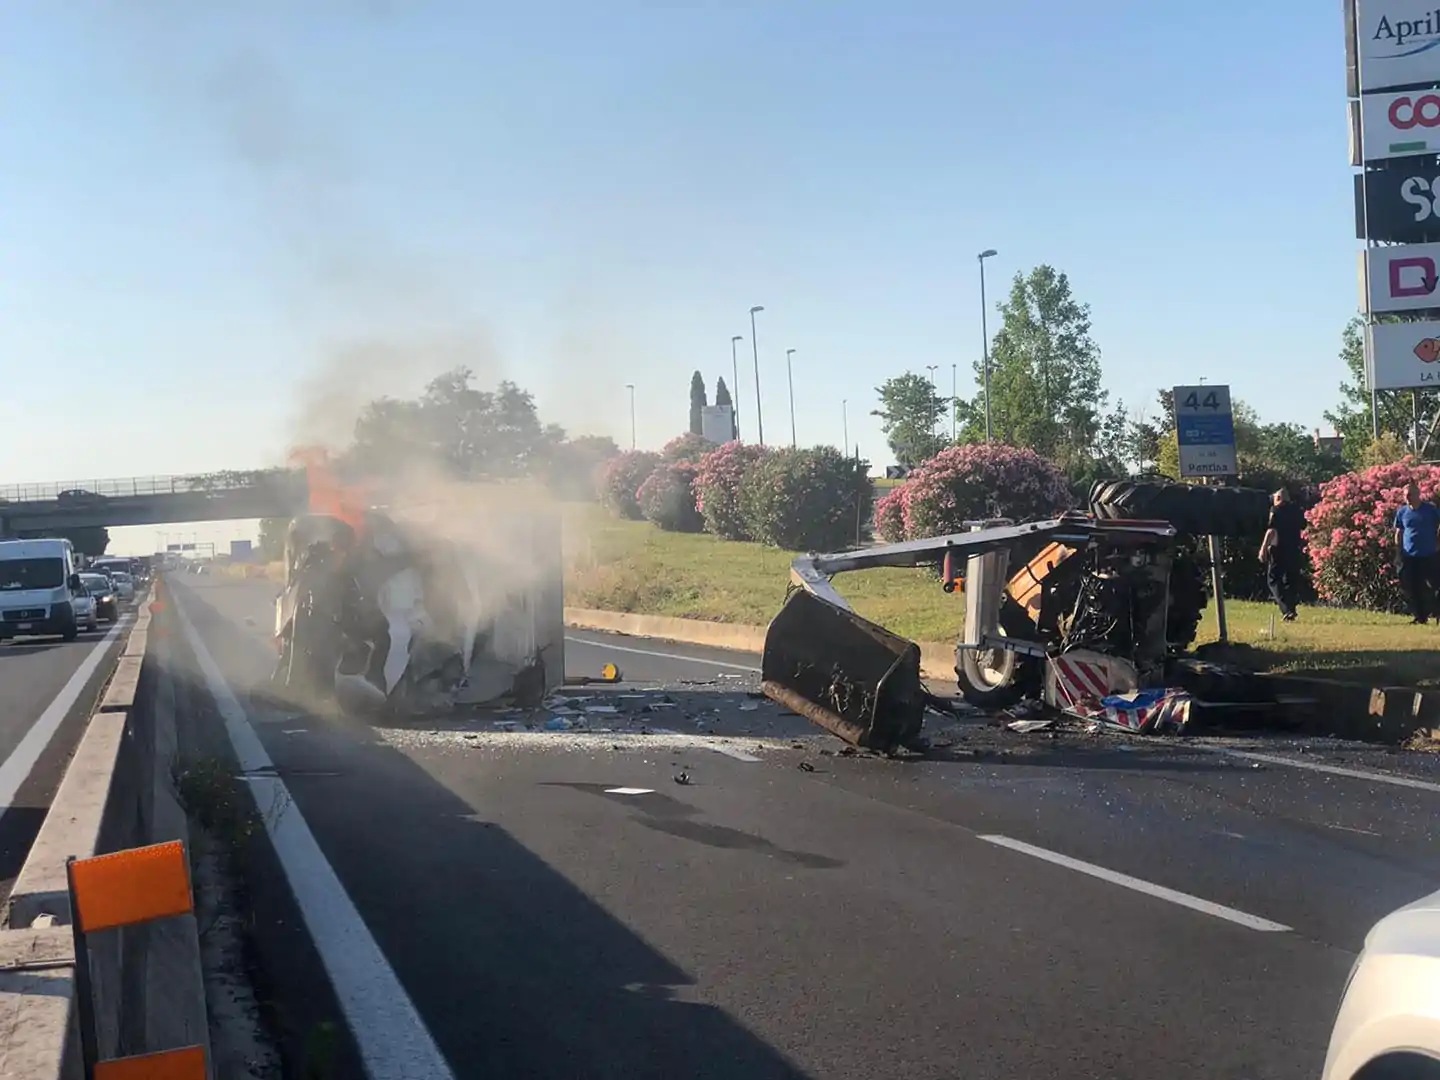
1205, 436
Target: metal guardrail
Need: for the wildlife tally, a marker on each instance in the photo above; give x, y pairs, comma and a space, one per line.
207, 483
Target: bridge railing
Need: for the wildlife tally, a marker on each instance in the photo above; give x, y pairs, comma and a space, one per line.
203, 483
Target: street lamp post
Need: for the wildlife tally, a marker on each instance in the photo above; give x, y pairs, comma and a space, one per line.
631, 388
985, 337
954, 396
845, 423
932, 368
735, 384
790, 378
755, 351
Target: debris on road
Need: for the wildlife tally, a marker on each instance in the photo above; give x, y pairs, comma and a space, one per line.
1025, 727
683, 778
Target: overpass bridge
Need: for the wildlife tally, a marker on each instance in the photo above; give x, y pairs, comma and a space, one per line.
151, 500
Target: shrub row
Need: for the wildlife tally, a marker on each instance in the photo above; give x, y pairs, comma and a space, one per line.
813, 499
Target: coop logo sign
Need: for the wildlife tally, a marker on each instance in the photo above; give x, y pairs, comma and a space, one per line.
1398, 42
1408, 111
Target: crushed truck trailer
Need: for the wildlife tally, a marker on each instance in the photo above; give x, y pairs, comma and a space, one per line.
389, 615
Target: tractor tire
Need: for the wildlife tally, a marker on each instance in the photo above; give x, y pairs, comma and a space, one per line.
1191, 508
1187, 601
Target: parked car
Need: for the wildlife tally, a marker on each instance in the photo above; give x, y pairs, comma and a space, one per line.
124, 585
102, 594
84, 605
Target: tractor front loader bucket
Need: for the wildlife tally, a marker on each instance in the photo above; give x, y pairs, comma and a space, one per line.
853, 678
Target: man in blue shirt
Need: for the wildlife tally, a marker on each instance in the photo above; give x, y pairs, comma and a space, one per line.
1417, 538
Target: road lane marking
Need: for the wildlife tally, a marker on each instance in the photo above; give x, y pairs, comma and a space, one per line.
21, 762
392, 1038
1219, 911
660, 655
629, 791
1333, 770
730, 751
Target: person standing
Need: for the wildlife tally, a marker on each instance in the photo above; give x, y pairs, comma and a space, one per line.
1417, 539
1281, 551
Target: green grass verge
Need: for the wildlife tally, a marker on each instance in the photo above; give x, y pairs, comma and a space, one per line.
633, 566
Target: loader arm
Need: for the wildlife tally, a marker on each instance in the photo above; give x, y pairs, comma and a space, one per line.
813, 572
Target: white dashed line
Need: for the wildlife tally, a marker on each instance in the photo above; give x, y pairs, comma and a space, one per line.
629, 791
1194, 903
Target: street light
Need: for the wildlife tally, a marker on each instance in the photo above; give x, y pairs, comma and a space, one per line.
631, 387
790, 378
735, 384
845, 423
932, 368
755, 349
954, 397
985, 337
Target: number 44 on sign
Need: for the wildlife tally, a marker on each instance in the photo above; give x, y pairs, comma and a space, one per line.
1205, 431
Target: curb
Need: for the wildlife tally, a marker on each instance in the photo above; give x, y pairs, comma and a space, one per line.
937, 660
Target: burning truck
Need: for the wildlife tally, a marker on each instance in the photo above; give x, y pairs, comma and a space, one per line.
387, 615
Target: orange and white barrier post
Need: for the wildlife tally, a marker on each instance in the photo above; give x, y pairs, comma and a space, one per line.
127, 888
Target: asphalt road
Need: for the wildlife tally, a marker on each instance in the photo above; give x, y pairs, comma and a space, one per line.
48, 689
494, 902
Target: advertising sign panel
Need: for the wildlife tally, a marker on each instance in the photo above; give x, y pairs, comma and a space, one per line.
1399, 204
1401, 124
1205, 431
1401, 278
1402, 355
1395, 42
717, 423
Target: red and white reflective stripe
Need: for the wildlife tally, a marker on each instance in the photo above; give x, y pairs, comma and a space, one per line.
1078, 681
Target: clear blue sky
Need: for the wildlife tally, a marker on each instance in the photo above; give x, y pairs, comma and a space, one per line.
222, 226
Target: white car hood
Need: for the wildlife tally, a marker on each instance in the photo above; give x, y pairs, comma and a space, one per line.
1412, 930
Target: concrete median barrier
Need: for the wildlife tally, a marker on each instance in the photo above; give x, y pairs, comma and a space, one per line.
117, 793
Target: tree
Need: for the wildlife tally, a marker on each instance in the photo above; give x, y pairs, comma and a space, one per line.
1398, 410
723, 398
697, 404
909, 410
468, 434
1045, 391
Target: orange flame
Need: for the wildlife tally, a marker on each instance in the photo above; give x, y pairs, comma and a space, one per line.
328, 494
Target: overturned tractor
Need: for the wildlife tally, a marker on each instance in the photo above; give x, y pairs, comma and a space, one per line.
1110, 595
383, 618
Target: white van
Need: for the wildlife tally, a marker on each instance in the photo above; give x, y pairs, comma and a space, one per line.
38, 582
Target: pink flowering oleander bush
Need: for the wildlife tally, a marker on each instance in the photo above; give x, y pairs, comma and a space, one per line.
667, 498
890, 516
806, 500
970, 483
1351, 534
717, 488
688, 448
620, 480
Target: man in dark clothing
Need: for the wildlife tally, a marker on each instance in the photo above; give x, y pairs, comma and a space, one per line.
1417, 539
1281, 551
